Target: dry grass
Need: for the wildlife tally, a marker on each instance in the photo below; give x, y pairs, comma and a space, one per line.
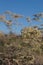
15, 51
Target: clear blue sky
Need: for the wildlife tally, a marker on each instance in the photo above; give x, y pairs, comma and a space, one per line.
24, 7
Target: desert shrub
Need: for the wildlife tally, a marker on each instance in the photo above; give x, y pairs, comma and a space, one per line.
41, 47
31, 36
2, 39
